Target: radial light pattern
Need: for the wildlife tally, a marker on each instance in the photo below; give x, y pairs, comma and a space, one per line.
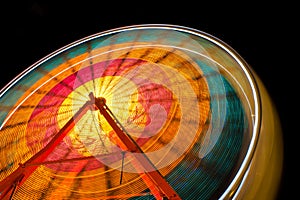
180, 95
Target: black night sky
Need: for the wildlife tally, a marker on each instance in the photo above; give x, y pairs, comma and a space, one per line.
31, 30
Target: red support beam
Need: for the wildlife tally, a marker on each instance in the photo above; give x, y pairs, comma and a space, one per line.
157, 184
19, 176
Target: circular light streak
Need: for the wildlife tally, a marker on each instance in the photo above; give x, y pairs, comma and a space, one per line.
185, 98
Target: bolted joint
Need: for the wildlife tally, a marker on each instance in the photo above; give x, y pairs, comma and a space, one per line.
100, 101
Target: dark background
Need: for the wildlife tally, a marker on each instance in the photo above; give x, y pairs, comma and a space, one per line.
260, 33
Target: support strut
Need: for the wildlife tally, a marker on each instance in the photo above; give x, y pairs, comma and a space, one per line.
157, 184
19, 176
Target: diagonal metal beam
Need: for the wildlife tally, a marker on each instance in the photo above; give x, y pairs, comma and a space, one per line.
157, 184
19, 176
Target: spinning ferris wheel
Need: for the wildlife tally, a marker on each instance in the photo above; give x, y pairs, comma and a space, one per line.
139, 112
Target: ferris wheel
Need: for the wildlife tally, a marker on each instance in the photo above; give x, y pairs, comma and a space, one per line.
139, 112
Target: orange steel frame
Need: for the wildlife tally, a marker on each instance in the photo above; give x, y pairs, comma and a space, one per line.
154, 180
18, 177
